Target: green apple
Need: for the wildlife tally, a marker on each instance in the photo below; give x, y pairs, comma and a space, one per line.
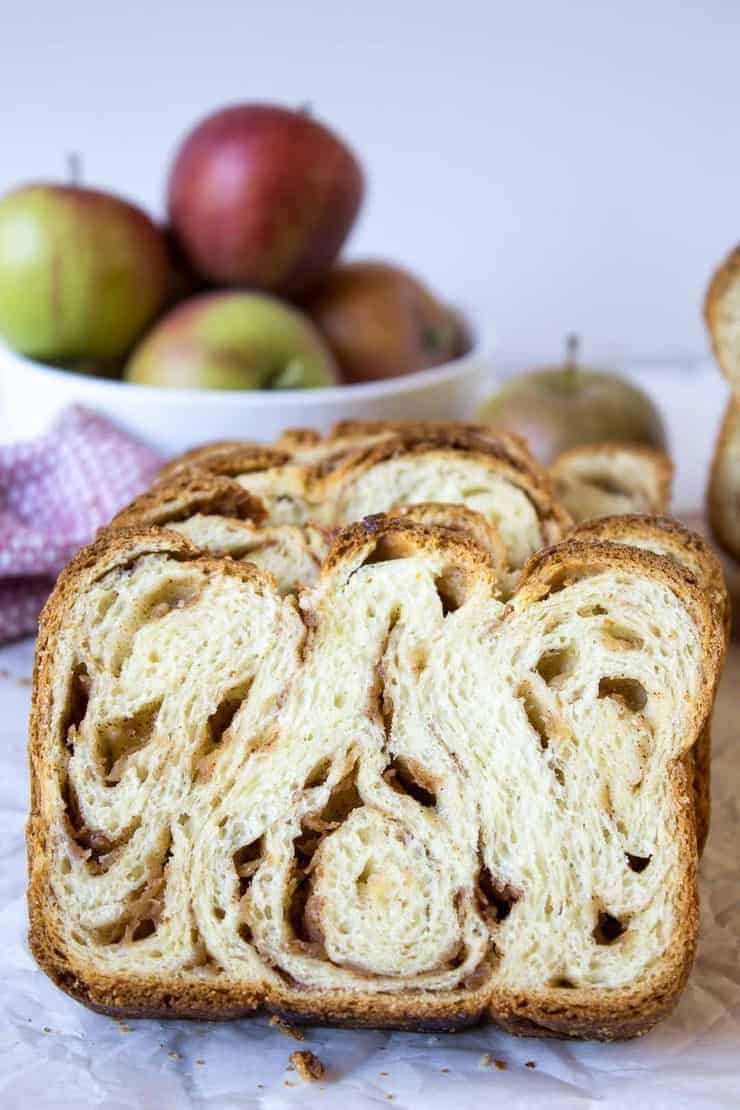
82, 273
559, 407
233, 340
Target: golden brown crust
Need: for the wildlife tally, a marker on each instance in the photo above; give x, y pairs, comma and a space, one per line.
189, 492
724, 277
621, 1012
294, 439
227, 458
723, 493
459, 519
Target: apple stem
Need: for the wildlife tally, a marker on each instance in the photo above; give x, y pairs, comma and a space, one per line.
74, 167
570, 363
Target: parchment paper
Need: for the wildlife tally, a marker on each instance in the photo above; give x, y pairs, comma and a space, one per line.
54, 1053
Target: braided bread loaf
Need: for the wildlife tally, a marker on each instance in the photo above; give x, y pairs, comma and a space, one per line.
397, 801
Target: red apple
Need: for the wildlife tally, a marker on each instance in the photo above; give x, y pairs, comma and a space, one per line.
262, 196
381, 321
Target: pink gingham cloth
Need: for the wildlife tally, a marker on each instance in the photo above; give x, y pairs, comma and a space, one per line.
55, 492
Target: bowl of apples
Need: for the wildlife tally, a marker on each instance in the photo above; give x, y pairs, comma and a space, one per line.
235, 320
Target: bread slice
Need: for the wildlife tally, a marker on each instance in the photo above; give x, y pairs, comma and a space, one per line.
397, 802
359, 470
664, 535
668, 537
219, 516
607, 479
723, 494
722, 315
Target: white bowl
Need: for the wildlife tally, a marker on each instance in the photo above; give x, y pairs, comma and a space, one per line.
31, 395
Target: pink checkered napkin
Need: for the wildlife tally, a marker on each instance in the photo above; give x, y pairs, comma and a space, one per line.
55, 492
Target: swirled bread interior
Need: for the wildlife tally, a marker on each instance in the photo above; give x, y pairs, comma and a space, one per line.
397, 801
611, 479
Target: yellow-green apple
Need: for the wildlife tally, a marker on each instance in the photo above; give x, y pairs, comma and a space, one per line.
559, 407
232, 340
381, 321
82, 273
263, 197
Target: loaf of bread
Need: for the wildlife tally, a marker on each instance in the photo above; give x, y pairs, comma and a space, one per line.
609, 479
395, 801
362, 469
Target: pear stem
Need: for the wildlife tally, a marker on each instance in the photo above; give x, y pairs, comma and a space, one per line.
74, 167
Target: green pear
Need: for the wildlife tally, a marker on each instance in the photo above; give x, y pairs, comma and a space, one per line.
233, 340
82, 273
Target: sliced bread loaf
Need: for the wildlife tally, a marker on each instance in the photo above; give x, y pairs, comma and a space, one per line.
398, 802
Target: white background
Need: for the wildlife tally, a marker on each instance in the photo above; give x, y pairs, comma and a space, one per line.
549, 165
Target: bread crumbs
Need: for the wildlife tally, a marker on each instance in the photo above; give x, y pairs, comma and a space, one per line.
308, 1065
530, 1064
285, 1027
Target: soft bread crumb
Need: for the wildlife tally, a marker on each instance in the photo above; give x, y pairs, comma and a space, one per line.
307, 1065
